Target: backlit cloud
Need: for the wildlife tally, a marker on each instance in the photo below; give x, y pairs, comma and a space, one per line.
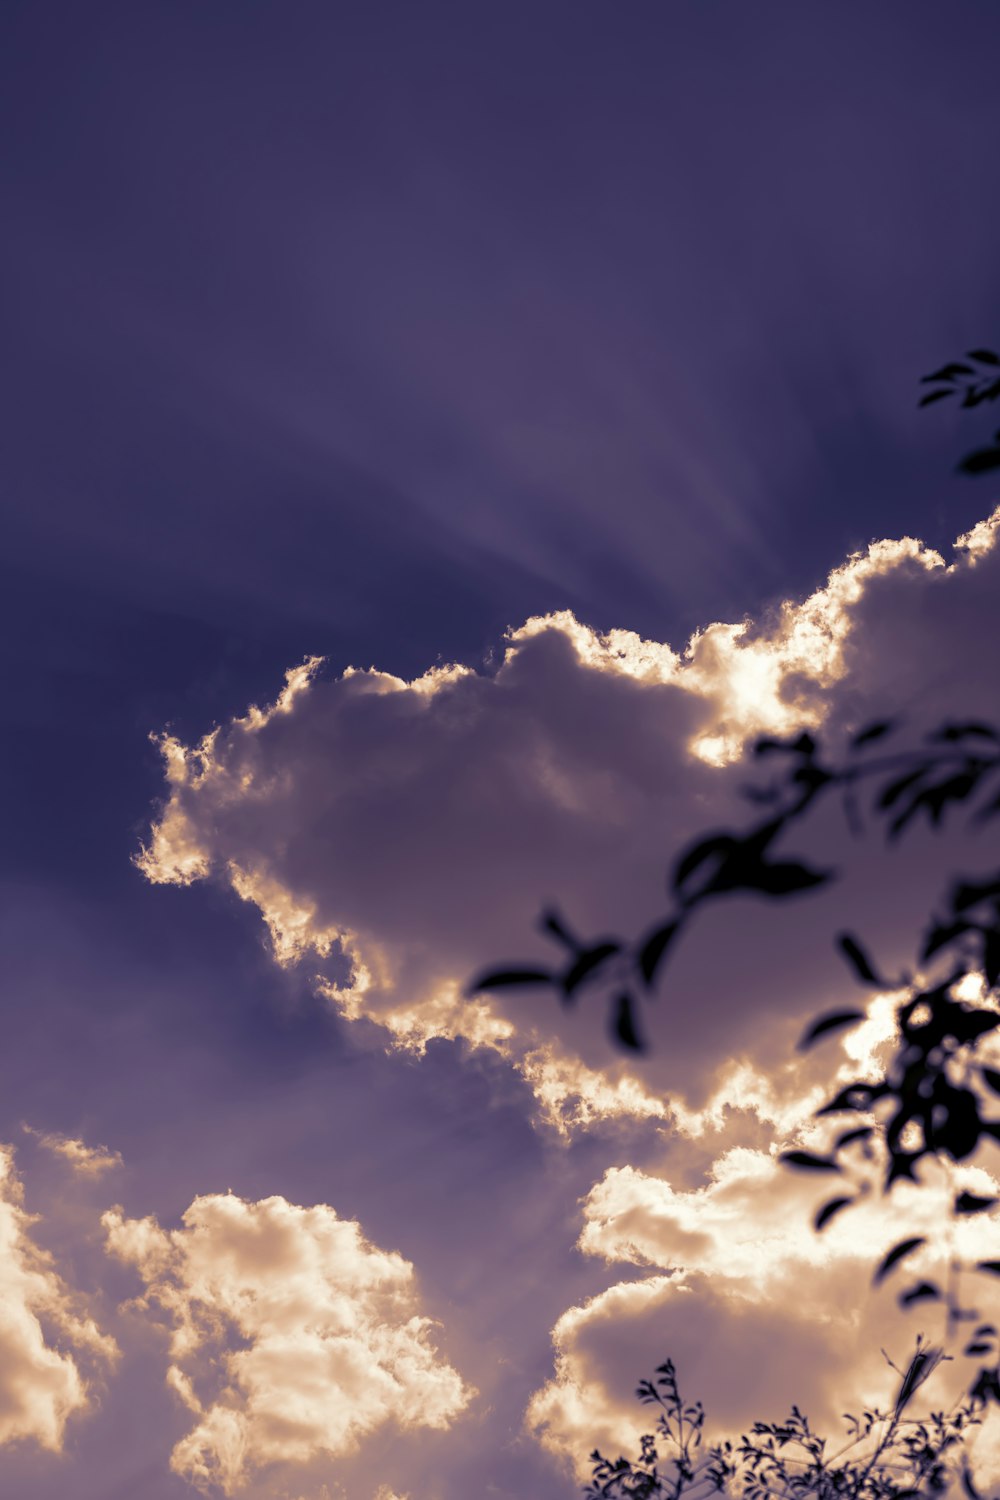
395, 836
292, 1336
756, 1309
49, 1344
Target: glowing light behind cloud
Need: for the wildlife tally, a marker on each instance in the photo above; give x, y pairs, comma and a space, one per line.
386, 829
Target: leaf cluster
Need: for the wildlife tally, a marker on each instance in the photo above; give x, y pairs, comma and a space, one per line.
970, 381
886, 1457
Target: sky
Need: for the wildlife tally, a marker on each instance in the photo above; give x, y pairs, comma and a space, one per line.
437, 440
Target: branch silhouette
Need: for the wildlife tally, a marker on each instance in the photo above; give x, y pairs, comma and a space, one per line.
936, 1100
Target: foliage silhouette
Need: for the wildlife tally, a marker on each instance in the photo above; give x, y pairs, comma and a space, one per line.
975, 379
887, 1456
935, 1100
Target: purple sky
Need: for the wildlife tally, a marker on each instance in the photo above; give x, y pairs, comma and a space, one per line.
370, 336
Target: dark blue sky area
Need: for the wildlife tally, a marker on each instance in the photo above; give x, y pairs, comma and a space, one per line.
369, 330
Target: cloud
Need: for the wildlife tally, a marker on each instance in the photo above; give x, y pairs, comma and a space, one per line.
755, 1308
88, 1161
292, 1336
395, 836
48, 1342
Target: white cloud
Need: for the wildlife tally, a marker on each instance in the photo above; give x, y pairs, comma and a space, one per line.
88, 1161
744, 1284
48, 1342
292, 1336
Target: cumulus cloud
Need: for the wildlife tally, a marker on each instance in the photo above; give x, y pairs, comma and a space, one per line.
292, 1336
397, 835
744, 1284
49, 1345
87, 1161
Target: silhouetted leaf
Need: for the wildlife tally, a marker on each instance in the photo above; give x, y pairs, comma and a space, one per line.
972, 1203
805, 1161
895, 1255
716, 844
948, 372
498, 979
941, 935
588, 961
891, 794
860, 1133
981, 461
624, 1024
858, 959
802, 744
978, 1347
785, 879
991, 957
924, 1291
987, 1385
551, 921
984, 356
654, 948
966, 893
939, 395
829, 1209
993, 1266
856, 1096
832, 1021
882, 726
972, 729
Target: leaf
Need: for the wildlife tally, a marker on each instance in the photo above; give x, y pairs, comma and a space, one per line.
860, 1133
968, 893
623, 1026
977, 1347
984, 356
654, 947
991, 957
939, 395
895, 1255
987, 1384
895, 789
924, 1291
856, 1096
942, 934
498, 979
881, 727
993, 1266
719, 843
588, 961
805, 1161
858, 959
829, 1209
832, 1021
973, 729
550, 921
980, 461
946, 372
972, 1203
785, 878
